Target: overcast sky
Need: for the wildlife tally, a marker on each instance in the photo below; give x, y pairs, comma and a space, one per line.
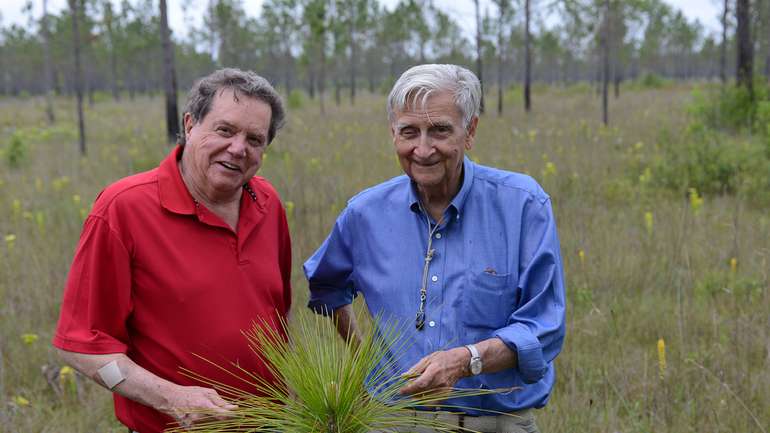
704, 10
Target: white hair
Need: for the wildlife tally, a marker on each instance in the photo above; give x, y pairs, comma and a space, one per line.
419, 82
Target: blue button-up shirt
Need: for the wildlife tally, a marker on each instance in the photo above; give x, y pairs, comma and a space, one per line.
496, 272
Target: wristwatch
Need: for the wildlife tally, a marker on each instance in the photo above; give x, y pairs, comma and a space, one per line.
475, 364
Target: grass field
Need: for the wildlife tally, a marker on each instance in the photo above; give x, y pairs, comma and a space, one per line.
644, 265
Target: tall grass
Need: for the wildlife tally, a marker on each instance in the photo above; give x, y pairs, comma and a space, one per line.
642, 262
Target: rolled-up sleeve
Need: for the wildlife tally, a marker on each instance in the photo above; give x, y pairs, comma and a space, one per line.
535, 330
329, 271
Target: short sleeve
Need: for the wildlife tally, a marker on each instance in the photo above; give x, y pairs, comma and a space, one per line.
97, 296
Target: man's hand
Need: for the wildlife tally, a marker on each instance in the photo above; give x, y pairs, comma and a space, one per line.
438, 372
190, 404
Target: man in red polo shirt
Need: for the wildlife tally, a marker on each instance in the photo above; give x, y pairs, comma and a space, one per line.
173, 263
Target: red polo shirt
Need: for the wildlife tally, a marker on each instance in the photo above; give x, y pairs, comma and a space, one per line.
161, 278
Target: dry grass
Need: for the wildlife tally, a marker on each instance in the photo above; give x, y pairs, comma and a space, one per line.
632, 286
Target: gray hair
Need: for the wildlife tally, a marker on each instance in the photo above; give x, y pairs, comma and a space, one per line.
419, 82
243, 83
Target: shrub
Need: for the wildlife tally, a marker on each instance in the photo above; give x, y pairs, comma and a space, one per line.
651, 81
705, 160
16, 150
296, 99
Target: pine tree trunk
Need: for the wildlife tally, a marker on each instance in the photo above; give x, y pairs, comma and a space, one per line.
322, 75
75, 9
745, 64
169, 77
500, 57
527, 60
723, 48
353, 58
606, 62
47, 65
479, 66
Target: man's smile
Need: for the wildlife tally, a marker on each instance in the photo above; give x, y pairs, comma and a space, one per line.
229, 165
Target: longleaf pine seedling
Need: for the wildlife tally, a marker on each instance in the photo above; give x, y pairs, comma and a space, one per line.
325, 385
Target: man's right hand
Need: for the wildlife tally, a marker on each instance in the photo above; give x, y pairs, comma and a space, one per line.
190, 404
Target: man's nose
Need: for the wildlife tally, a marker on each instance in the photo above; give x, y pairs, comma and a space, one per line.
424, 145
238, 145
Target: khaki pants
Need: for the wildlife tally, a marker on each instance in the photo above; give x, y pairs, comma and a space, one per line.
517, 422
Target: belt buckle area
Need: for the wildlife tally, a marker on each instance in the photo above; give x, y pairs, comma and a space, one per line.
445, 418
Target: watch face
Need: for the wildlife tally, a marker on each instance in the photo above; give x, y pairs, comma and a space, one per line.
476, 366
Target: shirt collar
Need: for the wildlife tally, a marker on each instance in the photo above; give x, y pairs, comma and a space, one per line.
458, 201
174, 195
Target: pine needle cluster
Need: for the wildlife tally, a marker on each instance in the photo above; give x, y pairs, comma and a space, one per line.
324, 384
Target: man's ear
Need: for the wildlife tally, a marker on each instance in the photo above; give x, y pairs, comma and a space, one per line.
187, 120
470, 138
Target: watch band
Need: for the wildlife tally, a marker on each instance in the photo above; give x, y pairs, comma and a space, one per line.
473, 350
474, 365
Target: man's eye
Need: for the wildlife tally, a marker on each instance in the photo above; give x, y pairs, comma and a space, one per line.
409, 132
225, 131
256, 141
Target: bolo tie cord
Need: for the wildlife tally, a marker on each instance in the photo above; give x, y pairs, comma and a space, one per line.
420, 319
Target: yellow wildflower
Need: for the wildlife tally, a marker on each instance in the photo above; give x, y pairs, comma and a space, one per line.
16, 207
289, 209
646, 176
60, 183
20, 401
661, 357
40, 220
549, 169
696, 201
733, 265
532, 135
66, 374
582, 256
648, 222
76, 199
29, 338
10, 241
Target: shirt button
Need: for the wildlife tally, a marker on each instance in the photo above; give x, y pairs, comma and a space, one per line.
431, 323
438, 235
434, 278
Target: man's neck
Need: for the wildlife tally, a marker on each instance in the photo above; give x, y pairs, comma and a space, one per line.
209, 199
436, 198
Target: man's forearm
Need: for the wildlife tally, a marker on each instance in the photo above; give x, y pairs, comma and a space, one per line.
496, 356
184, 403
139, 385
345, 321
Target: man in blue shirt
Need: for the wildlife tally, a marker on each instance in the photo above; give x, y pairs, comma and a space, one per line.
466, 255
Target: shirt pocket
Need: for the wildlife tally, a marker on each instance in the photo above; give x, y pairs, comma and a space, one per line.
487, 300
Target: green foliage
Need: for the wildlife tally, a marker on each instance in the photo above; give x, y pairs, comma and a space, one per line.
296, 99
16, 150
332, 396
725, 285
651, 81
703, 160
710, 158
728, 108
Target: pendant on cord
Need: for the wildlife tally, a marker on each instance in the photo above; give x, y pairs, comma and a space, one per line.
420, 320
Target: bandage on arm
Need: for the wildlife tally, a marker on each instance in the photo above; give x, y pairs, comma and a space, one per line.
111, 374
